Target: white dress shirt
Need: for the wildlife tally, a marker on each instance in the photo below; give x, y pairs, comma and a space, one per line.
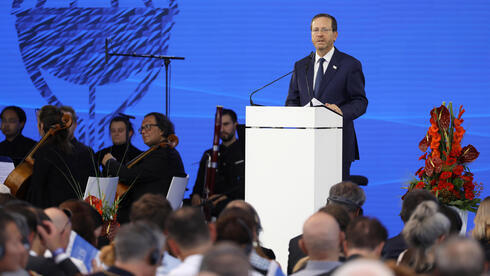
327, 57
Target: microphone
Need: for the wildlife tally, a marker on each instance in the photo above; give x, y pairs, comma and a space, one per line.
312, 58
257, 90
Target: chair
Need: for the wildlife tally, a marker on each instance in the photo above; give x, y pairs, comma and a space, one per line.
176, 191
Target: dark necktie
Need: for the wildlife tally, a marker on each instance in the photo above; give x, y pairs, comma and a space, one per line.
319, 76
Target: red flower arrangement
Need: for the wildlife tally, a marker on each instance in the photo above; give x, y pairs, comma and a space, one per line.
446, 173
108, 213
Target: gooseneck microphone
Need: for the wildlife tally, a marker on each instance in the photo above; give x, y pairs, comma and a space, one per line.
257, 90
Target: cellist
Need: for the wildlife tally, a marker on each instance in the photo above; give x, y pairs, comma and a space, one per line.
154, 172
60, 170
230, 174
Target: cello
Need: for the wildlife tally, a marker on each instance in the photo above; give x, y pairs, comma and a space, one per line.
17, 180
171, 141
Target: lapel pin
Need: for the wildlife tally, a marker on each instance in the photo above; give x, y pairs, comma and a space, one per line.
335, 67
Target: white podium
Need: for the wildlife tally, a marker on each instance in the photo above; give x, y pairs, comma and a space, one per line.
293, 155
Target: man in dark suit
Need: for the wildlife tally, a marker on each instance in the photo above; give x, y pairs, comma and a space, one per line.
335, 79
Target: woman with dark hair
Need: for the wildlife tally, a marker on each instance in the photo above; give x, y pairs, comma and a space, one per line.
85, 220
121, 131
59, 172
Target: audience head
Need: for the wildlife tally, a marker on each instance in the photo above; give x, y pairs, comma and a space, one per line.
69, 110
225, 259
339, 213
238, 226
13, 253
482, 221
349, 195
187, 232
363, 267
138, 248
155, 128
251, 210
412, 199
61, 218
85, 220
28, 212
6, 198
454, 218
121, 130
321, 236
13, 121
365, 236
459, 256
151, 207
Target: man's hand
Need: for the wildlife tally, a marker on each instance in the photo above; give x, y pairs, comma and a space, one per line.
50, 235
334, 107
106, 158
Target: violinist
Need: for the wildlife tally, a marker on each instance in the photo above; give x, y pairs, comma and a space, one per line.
230, 174
16, 146
155, 171
121, 131
60, 169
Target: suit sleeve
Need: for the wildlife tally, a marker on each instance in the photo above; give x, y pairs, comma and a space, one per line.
357, 104
293, 98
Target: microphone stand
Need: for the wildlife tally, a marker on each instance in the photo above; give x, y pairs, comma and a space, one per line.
166, 61
257, 90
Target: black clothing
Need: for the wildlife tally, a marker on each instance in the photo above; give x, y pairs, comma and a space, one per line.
152, 174
123, 153
58, 176
230, 175
394, 247
294, 253
113, 271
47, 266
17, 149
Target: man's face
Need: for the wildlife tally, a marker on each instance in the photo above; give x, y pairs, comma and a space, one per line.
322, 34
11, 125
150, 132
118, 132
16, 254
228, 128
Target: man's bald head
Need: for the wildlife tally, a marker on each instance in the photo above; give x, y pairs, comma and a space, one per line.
58, 217
321, 237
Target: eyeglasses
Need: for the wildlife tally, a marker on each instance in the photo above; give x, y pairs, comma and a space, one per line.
323, 30
146, 127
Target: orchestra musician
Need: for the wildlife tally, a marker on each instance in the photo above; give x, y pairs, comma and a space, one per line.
154, 172
230, 175
121, 131
16, 146
61, 169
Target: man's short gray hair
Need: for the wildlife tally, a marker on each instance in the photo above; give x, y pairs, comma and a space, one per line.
135, 240
347, 194
460, 256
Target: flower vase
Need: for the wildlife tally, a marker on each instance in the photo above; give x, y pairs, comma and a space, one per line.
463, 214
110, 228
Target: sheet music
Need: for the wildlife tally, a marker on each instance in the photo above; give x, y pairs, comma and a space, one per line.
5, 169
315, 102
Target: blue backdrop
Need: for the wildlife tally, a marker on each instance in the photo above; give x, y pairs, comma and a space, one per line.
415, 55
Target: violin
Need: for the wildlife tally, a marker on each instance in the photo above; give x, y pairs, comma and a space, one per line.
17, 180
171, 142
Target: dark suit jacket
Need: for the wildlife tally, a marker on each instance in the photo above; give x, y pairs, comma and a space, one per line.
46, 266
393, 247
342, 85
294, 253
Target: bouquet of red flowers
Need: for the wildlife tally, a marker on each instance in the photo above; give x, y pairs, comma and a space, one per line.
446, 173
108, 213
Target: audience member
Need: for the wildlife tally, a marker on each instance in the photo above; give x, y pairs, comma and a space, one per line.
453, 217
349, 195
16, 146
481, 232
137, 249
423, 231
188, 238
225, 259
85, 220
296, 254
459, 256
363, 267
238, 226
365, 237
321, 238
396, 245
13, 256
